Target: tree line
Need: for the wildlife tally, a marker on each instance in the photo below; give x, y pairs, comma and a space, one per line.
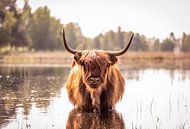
38, 30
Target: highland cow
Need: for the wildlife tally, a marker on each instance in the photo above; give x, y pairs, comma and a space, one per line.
95, 83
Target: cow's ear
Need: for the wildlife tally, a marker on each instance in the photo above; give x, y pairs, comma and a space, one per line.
77, 57
113, 59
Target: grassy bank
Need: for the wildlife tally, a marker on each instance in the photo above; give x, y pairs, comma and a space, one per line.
36, 58
65, 58
156, 56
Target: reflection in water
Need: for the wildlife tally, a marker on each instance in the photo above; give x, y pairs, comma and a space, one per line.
78, 120
158, 98
21, 87
36, 98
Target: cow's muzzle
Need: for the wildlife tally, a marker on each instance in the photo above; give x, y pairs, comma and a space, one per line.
94, 82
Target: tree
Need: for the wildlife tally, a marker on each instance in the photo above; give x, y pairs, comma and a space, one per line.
44, 30
109, 41
74, 36
144, 43
156, 45
22, 25
7, 28
13, 26
96, 42
4, 38
138, 44
120, 38
167, 45
185, 46
7, 5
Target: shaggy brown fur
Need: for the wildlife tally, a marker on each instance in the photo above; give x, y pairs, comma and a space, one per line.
99, 97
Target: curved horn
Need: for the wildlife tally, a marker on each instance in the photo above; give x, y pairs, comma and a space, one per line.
118, 53
66, 45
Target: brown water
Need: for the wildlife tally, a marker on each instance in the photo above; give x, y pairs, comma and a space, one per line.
35, 98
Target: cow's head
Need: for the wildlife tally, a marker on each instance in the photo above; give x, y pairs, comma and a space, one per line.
94, 63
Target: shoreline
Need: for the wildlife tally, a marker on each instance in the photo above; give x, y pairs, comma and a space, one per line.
130, 60
64, 58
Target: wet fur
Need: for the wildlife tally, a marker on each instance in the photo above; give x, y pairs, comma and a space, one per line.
102, 98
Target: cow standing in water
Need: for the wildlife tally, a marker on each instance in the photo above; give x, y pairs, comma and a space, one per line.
95, 83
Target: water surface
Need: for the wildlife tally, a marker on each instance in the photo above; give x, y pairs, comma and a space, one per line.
35, 98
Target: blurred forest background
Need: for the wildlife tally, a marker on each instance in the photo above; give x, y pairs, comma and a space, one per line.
24, 30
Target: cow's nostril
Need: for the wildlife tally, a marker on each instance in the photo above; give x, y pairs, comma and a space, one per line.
91, 80
97, 79
94, 79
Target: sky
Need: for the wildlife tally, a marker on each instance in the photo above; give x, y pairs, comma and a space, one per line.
152, 18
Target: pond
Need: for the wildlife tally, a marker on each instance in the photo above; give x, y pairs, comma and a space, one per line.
35, 98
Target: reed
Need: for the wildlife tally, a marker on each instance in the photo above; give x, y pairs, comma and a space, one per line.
59, 57
156, 56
